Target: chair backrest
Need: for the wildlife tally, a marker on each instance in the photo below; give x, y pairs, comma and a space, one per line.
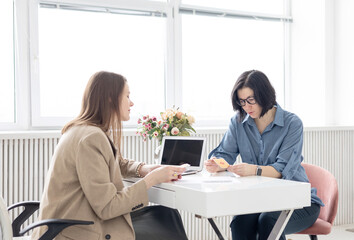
327, 190
6, 228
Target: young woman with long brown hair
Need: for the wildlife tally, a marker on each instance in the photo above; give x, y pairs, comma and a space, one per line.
85, 178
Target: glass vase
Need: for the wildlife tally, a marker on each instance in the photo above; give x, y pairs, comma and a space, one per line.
157, 153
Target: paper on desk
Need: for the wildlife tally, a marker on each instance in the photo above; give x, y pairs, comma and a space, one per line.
205, 179
222, 174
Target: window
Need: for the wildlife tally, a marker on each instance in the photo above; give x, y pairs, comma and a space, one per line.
182, 53
216, 50
75, 43
7, 82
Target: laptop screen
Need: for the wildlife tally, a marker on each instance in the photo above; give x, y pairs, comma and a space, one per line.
177, 151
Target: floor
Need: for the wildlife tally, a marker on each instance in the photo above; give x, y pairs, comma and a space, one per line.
338, 233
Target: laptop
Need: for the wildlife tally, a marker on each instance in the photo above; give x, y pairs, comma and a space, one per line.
180, 150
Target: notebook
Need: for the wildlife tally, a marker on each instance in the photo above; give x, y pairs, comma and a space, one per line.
180, 150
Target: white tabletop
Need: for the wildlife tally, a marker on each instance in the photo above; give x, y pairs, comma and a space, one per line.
213, 195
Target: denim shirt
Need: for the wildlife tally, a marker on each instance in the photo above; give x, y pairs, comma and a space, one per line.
279, 146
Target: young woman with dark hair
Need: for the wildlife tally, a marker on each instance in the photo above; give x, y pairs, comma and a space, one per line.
269, 140
85, 178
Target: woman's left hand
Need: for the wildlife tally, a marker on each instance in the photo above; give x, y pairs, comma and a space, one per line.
145, 169
243, 169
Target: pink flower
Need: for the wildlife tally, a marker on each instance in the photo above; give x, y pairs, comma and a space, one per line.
156, 133
174, 131
139, 121
179, 115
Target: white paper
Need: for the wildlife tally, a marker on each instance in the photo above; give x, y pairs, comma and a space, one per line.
206, 179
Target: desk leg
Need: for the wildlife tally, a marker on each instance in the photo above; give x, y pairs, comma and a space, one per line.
280, 224
216, 228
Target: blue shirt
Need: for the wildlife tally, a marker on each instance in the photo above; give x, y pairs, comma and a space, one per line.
279, 146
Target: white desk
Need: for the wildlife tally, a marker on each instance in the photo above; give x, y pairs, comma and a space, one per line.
224, 195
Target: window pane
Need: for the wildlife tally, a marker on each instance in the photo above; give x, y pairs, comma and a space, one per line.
75, 44
7, 89
259, 6
216, 51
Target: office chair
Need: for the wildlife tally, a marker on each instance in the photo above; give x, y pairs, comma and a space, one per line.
327, 190
165, 222
12, 231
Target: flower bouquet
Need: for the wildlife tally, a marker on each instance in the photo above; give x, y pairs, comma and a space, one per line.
172, 123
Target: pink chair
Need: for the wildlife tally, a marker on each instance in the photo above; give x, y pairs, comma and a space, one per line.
327, 190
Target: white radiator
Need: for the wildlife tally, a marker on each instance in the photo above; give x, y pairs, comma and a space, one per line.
25, 157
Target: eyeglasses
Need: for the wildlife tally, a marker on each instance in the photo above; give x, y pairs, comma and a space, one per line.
250, 100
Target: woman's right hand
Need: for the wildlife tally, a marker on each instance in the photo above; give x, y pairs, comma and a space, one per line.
163, 174
211, 166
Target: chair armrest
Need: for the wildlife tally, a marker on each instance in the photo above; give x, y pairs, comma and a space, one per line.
55, 226
29, 208
24, 204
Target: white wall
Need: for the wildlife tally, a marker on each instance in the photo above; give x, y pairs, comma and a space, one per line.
344, 61
322, 55
308, 84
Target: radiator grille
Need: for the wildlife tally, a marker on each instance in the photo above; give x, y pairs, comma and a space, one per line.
25, 158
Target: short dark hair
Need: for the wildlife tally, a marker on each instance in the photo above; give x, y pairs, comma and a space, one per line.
264, 92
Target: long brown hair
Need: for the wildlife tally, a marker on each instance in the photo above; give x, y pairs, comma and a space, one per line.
101, 105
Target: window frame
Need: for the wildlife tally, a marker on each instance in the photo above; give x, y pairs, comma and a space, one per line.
137, 5
27, 65
286, 18
21, 69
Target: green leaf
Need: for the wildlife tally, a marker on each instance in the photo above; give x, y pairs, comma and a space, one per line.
192, 129
152, 131
184, 133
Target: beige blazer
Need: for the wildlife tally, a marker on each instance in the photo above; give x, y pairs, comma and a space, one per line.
84, 182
